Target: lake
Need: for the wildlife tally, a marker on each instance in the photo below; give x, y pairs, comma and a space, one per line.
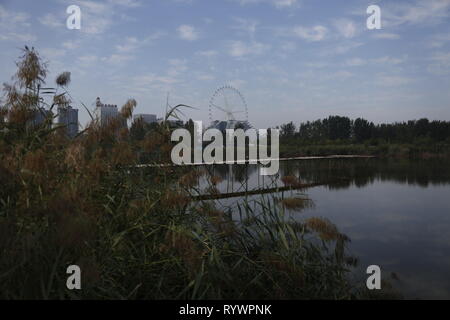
396, 213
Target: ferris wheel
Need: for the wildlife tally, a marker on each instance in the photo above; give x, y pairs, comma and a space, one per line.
228, 104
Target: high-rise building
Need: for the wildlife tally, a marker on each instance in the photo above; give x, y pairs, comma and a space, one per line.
105, 112
40, 115
146, 118
68, 117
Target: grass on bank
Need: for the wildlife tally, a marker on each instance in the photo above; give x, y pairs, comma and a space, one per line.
136, 233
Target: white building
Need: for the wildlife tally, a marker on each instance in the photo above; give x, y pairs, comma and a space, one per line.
105, 112
68, 117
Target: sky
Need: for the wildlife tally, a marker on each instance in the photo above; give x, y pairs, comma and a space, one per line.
292, 60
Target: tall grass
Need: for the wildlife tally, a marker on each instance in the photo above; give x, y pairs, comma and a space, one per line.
136, 234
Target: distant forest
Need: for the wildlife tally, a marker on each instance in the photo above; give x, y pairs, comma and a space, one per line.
343, 129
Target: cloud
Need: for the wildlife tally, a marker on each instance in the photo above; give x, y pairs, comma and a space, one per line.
439, 40
96, 17
355, 62
386, 36
124, 51
345, 28
87, 60
207, 53
393, 81
440, 64
126, 3
52, 54
70, 44
316, 33
247, 26
50, 20
187, 32
205, 77
386, 60
419, 11
130, 44
342, 48
117, 58
280, 4
20, 37
239, 49
177, 67
14, 26
13, 19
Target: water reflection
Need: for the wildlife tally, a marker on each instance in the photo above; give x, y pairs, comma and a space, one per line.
396, 212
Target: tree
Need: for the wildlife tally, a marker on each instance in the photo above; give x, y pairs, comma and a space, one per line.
287, 130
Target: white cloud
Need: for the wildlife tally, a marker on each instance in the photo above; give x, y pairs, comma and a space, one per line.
355, 62
386, 36
130, 44
13, 19
419, 11
247, 26
345, 27
239, 48
440, 64
21, 37
51, 53
126, 3
439, 40
96, 17
386, 60
207, 53
389, 60
187, 32
205, 77
393, 81
316, 33
280, 4
14, 26
117, 58
70, 45
50, 20
342, 48
177, 67
87, 60
339, 75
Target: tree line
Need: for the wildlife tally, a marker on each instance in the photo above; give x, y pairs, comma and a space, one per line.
361, 130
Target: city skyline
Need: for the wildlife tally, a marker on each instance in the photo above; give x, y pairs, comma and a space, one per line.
292, 60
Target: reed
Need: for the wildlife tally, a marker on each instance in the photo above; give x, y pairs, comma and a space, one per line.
139, 234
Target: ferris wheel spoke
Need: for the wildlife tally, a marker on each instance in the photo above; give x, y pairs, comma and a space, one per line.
218, 107
231, 103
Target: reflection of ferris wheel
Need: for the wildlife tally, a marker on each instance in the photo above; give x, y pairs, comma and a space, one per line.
227, 103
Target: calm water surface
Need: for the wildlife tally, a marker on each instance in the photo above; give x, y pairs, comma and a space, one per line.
396, 212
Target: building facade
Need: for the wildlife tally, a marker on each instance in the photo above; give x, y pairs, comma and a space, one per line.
40, 115
68, 117
105, 112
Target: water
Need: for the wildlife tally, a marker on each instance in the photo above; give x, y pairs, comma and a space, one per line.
396, 213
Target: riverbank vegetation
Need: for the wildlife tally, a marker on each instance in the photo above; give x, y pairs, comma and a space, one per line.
136, 233
341, 135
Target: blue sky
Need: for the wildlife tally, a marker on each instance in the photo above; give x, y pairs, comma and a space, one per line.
292, 59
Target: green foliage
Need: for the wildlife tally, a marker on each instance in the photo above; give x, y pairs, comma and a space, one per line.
341, 135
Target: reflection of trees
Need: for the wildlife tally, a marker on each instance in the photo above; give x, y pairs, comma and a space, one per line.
240, 172
343, 173
360, 172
